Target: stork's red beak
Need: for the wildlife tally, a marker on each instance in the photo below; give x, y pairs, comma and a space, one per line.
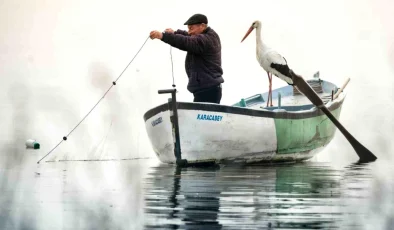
247, 33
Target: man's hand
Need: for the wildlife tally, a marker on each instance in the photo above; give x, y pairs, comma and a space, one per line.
156, 34
169, 30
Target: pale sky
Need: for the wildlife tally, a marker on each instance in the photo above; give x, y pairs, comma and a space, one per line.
57, 58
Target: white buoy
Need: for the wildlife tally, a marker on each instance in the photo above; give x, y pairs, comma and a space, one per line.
32, 144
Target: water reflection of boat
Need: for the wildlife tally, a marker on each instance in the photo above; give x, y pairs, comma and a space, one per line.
178, 200
297, 196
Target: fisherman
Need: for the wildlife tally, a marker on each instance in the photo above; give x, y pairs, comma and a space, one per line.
203, 60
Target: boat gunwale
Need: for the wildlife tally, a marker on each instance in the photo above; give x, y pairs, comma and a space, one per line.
211, 107
313, 111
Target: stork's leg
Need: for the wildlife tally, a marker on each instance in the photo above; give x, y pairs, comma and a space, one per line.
269, 88
270, 78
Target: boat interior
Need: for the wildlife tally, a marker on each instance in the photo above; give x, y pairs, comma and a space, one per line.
289, 98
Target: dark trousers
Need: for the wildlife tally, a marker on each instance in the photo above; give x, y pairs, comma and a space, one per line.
212, 94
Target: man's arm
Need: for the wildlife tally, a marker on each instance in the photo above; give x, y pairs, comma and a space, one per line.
195, 44
182, 32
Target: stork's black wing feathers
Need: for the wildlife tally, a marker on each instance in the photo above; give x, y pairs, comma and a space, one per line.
283, 69
279, 63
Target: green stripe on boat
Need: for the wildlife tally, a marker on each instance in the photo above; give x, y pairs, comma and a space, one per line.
297, 135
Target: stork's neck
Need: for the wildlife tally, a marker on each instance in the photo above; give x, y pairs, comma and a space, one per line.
261, 47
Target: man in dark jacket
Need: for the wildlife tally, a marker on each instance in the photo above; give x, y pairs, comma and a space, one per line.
203, 60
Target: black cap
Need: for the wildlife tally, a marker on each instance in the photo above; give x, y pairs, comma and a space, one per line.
197, 19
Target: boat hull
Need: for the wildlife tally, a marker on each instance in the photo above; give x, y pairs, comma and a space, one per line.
212, 132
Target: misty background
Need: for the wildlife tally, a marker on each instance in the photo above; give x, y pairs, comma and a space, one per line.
58, 58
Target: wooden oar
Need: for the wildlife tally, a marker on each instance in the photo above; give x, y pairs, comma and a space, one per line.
363, 153
341, 89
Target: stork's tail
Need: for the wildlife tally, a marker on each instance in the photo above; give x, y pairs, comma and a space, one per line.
290, 75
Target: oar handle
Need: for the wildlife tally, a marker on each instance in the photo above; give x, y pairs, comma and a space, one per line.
341, 89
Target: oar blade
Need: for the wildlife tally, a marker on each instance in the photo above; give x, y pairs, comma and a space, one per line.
363, 153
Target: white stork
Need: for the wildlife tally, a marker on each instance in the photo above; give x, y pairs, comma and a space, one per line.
271, 61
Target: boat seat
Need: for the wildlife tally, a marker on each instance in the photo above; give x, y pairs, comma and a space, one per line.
258, 98
315, 84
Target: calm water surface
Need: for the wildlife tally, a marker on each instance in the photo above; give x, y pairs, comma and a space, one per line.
297, 196
145, 194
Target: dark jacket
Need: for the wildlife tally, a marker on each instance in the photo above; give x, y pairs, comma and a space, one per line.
203, 60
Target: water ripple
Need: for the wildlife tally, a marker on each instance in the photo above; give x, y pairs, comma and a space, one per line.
307, 195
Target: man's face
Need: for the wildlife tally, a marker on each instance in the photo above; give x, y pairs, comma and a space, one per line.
196, 29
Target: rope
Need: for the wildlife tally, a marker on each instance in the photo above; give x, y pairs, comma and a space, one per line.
113, 83
172, 68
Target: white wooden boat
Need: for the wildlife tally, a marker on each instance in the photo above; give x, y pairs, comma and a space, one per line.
247, 131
